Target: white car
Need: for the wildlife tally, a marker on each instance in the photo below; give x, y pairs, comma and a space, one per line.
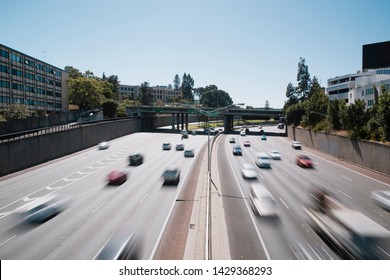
103, 145
274, 154
261, 200
263, 160
296, 145
382, 198
248, 171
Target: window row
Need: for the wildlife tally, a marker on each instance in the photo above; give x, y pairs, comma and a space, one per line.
32, 102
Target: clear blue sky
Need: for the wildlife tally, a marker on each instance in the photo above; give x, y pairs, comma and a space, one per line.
248, 48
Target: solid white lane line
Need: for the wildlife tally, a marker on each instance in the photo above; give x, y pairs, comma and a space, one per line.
346, 178
284, 203
343, 193
98, 207
146, 195
1, 244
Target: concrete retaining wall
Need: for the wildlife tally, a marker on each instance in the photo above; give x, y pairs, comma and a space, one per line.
372, 155
24, 153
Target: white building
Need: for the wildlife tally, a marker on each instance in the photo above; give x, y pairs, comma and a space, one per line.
162, 93
361, 85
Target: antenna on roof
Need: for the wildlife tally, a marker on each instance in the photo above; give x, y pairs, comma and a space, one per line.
44, 55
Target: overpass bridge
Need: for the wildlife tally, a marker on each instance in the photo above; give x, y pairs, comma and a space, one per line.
180, 116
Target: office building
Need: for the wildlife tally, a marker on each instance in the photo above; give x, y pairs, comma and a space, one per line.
26, 80
374, 77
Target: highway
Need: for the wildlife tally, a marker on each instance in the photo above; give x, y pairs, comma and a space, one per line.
96, 211
289, 236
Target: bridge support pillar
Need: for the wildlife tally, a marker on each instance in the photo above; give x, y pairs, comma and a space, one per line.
228, 123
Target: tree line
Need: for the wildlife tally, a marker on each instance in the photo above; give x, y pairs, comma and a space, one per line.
308, 106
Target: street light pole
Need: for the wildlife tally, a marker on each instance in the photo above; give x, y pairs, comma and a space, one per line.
208, 198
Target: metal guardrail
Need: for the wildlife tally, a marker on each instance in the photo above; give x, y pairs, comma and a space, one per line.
52, 129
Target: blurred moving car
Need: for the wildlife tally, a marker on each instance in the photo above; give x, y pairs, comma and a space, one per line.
189, 153
242, 133
166, 146
247, 143
171, 176
263, 137
263, 161
382, 198
232, 140
304, 161
296, 145
103, 145
280, 125
116, 177
237, 151
121, 246
274, 154
42, 209
248, 171
261, 200
136, 159
354, 235
179, 147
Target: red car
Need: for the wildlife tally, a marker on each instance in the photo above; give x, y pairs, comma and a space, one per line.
117, 177
303, 161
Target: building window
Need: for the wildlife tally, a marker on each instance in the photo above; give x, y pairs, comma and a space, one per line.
4, 53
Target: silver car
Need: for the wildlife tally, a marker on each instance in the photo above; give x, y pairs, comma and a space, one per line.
262, 202
248, 171
42, 209
274, 154
121, 246
263, 161
382, 198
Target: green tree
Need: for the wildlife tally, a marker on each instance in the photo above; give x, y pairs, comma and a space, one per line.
384, 115
146, 94
110, 109
114, 81
334, 112
73, 73
212, 97
16, 112
85, 92
294, 114
187, 86
315, 87
303, 78
176, 82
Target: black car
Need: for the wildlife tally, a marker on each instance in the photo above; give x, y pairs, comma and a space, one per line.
171, 176
136, 159
237, 150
